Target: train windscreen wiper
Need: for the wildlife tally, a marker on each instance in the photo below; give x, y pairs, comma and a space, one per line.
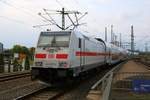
53, 43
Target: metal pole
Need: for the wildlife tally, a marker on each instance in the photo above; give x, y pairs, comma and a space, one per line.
112, 34
63, 19
146, 49
120, 40
106, 34
115, 40
132, 40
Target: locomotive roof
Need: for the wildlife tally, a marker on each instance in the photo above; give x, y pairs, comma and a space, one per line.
80, 34
54, 32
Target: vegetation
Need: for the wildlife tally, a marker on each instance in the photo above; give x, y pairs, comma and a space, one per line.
1, 59
20, 49
15, 65
32, 50
1, 63
27, 63
24, 53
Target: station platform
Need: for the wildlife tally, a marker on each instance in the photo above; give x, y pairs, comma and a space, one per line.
128, 81
131, 81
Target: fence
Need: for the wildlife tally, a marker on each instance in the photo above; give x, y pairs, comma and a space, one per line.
101, 90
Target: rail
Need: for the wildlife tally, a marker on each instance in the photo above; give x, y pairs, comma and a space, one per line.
14, 75
30, 93
20, 91
39, 94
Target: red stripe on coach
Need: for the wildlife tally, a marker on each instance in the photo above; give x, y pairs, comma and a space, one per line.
78, 53
40, 56
61, 56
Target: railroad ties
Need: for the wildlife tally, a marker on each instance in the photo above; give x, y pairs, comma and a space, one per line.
14, 75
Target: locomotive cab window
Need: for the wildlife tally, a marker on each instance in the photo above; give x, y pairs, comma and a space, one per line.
54, 40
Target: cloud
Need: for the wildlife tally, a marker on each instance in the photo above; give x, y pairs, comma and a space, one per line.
101, 13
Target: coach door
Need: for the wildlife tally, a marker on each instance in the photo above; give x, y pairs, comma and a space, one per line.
82, 53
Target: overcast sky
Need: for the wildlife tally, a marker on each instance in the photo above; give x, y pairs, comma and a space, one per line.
18, 17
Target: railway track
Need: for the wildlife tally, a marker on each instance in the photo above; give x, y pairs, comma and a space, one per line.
36, 91
21, 91
14, 75
76, 89
47, 93
42, 94
27, 90
50, 93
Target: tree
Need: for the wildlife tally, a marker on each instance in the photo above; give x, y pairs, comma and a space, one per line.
20, 49
32, 51
17, 49
15, 65
1, 63
25, 50
27, 63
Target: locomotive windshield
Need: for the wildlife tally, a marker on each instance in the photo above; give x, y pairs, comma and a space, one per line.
54, 40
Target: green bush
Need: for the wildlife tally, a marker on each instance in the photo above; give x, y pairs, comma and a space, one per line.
27, 63
15, 65
1, 63
1, 60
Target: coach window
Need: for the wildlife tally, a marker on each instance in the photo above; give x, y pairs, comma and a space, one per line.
79, 42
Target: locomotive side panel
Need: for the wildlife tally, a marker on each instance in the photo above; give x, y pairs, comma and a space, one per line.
75, 45
85, 53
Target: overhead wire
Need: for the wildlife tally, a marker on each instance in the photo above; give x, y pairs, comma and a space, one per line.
59, 3
19, 9
76, 2
78, 5
13, 20
142, 42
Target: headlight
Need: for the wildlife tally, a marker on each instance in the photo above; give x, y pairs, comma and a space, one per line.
63, 64
38, 63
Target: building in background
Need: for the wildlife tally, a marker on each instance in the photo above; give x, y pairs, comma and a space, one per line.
1, 47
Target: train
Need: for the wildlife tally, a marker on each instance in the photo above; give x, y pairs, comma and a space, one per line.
63, 54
